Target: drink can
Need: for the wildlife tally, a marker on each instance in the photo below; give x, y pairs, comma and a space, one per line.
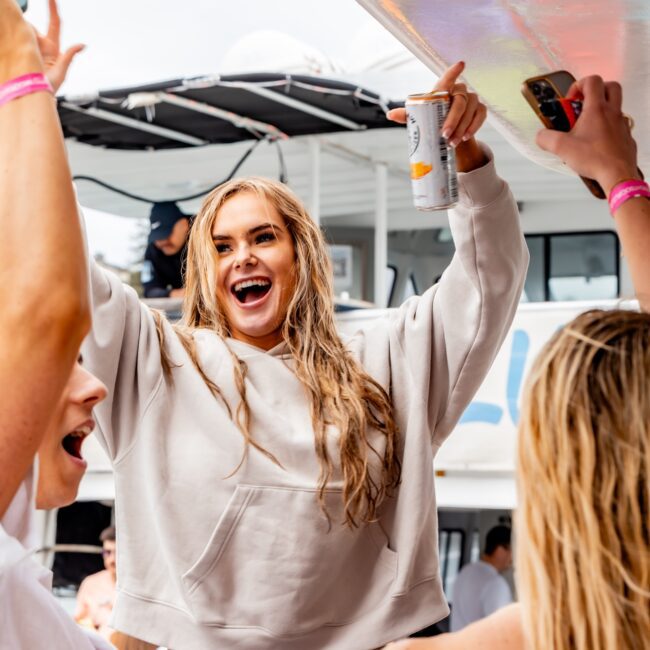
433, 163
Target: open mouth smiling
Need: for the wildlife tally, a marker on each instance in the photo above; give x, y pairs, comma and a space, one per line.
251, 291
73, 442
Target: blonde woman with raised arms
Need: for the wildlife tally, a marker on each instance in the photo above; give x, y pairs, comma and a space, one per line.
274, 483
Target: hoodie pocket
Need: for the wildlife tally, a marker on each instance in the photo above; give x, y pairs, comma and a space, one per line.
273, 562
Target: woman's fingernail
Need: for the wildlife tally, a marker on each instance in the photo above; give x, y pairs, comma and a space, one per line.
454, 143
466, 137
446, 133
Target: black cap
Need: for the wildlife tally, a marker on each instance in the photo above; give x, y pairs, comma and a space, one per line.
163, 217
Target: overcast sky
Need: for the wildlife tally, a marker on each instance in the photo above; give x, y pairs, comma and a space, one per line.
134, 41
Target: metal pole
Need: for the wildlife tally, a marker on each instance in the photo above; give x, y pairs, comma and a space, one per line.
253, 126
381, 233
139, 125
298, 105
314, 195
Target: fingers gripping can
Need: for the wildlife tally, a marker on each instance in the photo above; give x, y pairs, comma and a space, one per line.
433, 164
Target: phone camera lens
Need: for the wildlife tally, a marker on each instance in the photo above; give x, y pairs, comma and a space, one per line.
548, 93
536, 88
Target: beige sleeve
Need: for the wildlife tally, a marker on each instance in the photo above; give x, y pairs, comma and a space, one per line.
123, 350
442, 344
451, 335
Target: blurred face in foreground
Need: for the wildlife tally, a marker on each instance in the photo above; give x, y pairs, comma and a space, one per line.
61, 465
255, 268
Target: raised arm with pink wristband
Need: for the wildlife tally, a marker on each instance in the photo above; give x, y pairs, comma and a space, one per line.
626, 190
601, 146
25, 84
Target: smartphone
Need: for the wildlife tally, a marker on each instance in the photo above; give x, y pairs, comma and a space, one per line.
22, 4
547, 96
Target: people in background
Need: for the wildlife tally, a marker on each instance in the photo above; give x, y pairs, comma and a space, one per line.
480, 589
164, 258
96, 597
96, 594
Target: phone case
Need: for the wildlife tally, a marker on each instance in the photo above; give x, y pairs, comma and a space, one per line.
552, 79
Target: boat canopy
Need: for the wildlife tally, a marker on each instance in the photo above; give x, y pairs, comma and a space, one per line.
220, 110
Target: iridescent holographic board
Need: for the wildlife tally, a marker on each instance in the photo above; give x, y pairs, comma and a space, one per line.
507, 41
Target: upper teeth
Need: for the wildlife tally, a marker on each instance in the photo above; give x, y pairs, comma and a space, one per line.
244, 284
81, 431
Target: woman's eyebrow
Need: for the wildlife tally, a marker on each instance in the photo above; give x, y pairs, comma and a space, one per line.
252, 231
264, 226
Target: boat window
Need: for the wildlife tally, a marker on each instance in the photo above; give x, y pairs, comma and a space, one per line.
535, 286
450, 543
572, 266
78, 527
583, 267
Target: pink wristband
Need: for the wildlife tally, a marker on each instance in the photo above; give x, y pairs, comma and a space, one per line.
626, 190
26, 84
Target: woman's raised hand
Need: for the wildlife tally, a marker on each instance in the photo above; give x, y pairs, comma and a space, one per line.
56, 62
466, 116
600, 145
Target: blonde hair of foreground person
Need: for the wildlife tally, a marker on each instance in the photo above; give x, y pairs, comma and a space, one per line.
583, 552
583, 520
341, 393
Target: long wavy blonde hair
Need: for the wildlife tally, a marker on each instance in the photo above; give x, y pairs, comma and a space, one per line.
341, 393
583, 552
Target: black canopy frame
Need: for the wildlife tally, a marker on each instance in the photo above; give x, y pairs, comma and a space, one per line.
220, 110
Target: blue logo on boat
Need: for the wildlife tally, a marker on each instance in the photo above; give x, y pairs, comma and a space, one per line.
492, 413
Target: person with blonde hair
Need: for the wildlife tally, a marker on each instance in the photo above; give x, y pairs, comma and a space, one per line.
583, 560
583, 519
583, 549
274, 483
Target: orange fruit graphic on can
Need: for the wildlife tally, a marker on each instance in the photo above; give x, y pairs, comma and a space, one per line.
420, 169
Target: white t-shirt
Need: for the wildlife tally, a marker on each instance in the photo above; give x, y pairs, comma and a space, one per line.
30, 617
479, 591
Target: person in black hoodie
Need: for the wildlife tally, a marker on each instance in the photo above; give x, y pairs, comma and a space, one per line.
164, 258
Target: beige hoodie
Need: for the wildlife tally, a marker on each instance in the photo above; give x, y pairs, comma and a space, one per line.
207, 559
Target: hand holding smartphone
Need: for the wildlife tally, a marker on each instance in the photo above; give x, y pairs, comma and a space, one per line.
547, 96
